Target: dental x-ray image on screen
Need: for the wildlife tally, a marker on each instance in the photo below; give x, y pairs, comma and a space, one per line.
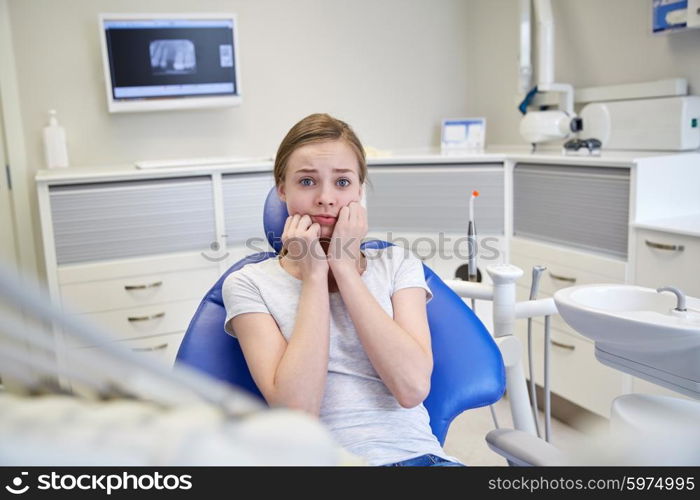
173, 57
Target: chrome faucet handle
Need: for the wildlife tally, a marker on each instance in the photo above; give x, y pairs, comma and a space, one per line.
680, 296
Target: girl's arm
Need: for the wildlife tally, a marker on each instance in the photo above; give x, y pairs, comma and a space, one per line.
290, 374
399, 347
293, 374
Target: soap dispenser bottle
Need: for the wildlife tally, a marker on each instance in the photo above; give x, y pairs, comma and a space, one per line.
55, 150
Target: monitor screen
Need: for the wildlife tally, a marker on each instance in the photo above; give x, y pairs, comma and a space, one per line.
170, 62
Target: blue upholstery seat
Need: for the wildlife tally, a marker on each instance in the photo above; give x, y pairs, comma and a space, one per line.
468, 368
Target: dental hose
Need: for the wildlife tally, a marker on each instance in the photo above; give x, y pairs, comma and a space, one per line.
547, 402
534, 288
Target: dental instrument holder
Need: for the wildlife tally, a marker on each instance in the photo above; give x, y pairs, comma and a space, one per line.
534, 288
471, 237
504, 277
472, 270
471, 264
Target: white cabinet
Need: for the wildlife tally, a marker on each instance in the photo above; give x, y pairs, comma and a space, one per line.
575, 374
135, 250
124, 255
132, 255
666, 258
139, 300
572, 219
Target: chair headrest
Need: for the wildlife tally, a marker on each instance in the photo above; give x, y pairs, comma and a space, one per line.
274, 216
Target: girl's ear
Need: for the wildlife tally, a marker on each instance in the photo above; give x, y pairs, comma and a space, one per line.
280, 193
363, 197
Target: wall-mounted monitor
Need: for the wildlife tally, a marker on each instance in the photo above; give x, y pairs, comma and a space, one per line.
170, 61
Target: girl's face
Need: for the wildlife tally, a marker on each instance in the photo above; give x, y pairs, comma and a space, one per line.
321, 178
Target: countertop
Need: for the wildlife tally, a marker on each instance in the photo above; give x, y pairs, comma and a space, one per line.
688, 225
496, 154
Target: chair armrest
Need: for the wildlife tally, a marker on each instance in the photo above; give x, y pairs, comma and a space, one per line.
521, 448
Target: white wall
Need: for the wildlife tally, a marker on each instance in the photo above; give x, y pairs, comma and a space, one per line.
391, 68
598, 42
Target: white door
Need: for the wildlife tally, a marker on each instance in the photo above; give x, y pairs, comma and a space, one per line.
8, 252
10, 199
8, 255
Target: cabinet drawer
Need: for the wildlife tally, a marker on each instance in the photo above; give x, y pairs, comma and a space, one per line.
119, 293
660, 261
159, 348
564, 262
137, 266
578, 270
574, 373
142, 321
558, 276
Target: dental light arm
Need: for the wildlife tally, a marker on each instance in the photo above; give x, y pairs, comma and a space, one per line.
543, 126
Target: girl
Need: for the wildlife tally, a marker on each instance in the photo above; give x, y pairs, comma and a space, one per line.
328, 329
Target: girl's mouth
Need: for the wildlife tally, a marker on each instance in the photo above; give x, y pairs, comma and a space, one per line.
323, 220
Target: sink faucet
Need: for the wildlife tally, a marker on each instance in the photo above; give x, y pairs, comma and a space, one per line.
679, 295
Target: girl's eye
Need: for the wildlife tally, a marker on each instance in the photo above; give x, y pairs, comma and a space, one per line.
344, 182
306, 181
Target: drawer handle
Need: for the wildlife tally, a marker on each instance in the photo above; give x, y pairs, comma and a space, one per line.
662, 246
146, 318
563, 346
562, 278
143, 287
150, 349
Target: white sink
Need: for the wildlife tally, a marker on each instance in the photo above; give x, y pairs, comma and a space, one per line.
637, 328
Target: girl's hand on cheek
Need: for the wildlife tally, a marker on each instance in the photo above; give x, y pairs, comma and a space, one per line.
300, 239
344, 249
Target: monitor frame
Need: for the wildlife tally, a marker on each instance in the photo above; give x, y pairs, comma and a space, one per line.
167, 103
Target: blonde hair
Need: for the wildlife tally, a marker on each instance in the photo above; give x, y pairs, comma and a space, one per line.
317, 127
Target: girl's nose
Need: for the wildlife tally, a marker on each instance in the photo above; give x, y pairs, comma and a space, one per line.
326, 197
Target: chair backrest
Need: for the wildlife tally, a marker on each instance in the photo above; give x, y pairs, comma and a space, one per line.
468, 368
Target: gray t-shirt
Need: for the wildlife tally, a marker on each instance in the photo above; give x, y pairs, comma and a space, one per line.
357, 407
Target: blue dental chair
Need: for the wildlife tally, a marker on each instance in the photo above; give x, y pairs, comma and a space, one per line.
468, 368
